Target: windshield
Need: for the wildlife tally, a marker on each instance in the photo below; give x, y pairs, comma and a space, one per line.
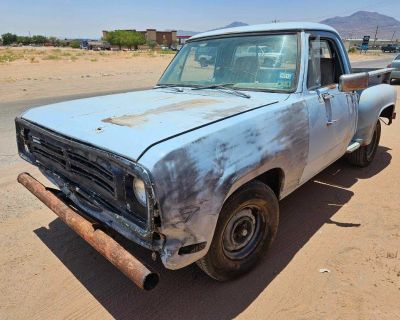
260, 62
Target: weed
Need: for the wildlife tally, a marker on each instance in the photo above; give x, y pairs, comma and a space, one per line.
51, 57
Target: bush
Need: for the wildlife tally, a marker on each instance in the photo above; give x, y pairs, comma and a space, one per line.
353, 50
52, 57
151, 44
9, 38
129, 39
39, 40
75, 44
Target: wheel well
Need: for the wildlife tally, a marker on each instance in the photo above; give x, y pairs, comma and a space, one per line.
274, 179
388, 113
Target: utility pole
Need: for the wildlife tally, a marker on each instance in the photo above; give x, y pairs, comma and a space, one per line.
376, 33
391, 40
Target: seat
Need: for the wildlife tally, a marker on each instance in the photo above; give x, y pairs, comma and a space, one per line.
245, 69
327, 72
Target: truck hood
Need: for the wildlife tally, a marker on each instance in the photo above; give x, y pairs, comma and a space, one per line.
128, 123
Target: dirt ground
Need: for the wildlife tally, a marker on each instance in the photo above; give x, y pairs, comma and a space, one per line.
346, 220
38, 73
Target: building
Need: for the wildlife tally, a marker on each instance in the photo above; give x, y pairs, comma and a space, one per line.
166, 38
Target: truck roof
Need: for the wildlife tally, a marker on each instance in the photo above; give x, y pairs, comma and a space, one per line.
283, 26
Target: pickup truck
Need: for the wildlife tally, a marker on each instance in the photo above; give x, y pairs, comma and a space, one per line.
390, 48
194, 168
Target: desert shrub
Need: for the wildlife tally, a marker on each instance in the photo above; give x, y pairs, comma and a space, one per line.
167, 52
51, 57
75, 44
6, 57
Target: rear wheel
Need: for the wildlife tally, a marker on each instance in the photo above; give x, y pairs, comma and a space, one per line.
363, 156
246, 228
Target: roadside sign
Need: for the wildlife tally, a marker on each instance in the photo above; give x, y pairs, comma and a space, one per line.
366, 40
365, 43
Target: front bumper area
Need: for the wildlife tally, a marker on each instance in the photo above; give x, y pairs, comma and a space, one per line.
94, 180
97, 238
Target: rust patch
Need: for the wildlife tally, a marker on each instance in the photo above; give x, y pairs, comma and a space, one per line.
220, 113
132, 120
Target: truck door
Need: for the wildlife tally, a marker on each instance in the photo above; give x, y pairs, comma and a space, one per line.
332, 114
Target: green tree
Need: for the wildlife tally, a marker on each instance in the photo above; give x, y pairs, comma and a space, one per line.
129, 39
76, 44
9, 38
39, 40
54, 41
24, 40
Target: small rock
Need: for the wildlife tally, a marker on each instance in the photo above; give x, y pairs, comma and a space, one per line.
324, 271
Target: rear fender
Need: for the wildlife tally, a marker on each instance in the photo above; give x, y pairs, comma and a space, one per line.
373, 102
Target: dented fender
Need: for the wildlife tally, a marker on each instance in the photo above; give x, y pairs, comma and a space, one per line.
195, 173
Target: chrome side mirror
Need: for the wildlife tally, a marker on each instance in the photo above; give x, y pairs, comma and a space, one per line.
354, 81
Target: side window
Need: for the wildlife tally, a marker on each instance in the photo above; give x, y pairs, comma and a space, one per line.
324, 64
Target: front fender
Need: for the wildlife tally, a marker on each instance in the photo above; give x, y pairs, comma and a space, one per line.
373, 101
198, 170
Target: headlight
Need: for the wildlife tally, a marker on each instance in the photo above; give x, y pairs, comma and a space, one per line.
140, 191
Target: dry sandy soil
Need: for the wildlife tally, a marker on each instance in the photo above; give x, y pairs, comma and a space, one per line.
346, 220
38, 73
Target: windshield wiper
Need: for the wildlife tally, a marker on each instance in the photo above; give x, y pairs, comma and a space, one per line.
168, 86
224, 86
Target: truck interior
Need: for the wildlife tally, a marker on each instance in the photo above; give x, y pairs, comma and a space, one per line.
325, 66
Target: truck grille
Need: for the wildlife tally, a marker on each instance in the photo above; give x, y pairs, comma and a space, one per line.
77, 164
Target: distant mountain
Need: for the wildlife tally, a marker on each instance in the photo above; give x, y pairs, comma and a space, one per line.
363, 23
185, 33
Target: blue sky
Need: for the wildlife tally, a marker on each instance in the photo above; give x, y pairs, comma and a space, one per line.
86, 18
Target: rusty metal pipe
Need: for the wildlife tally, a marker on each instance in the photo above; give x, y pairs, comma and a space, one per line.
98, 239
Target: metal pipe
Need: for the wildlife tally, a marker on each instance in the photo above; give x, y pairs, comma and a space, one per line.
98, 239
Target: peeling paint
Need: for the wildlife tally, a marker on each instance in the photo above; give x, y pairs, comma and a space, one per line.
136, 119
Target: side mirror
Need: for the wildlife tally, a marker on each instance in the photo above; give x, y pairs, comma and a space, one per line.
354, 81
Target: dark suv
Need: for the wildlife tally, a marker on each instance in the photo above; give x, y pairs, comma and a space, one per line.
391, 48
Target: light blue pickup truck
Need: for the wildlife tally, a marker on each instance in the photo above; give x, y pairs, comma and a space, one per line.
194, 168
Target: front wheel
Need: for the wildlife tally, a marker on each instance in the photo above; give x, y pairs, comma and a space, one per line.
364, 155
245, 230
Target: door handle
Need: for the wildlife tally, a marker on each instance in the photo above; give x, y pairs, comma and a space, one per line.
327, 96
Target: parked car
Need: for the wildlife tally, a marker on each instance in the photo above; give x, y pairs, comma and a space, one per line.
395, 75
391, 48
194, 169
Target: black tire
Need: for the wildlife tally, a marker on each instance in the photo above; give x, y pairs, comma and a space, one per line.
246, 228
363, 156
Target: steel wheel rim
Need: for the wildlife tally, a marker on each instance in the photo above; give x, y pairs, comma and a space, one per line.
242, 233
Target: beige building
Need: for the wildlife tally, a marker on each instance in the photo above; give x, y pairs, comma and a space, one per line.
167, 38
